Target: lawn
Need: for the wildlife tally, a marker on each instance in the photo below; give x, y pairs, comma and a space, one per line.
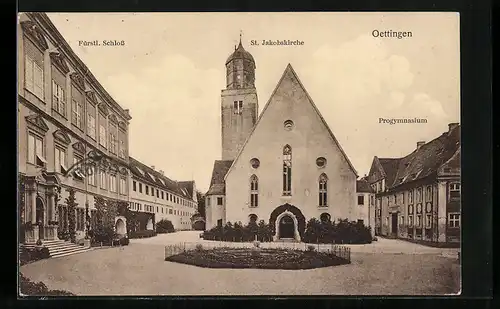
140, 269
262, 259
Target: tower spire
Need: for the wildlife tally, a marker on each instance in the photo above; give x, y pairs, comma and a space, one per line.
241, 32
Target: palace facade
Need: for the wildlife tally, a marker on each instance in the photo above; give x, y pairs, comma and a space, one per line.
418, 196
63, 114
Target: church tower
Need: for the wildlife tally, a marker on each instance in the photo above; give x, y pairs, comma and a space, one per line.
239, 106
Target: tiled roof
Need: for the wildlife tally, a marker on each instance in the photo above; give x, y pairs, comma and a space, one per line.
424, 161
141, 171
362, 186
188, 186
390, 166
217, 185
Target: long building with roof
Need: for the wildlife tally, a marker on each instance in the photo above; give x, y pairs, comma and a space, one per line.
158, 197
418, 196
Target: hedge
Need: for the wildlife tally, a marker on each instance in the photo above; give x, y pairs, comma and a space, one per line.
341, 232
28, 255
142, 234
31, 288
240, 233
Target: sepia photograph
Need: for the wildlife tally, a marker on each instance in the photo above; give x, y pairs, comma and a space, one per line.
239, 154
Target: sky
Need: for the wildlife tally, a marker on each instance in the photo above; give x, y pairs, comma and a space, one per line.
171, 71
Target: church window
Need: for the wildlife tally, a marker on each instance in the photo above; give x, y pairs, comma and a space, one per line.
255, 163
254, 191
253, 218
288, 124
287, 170
237, 107
325, 217
321, 162
323, 198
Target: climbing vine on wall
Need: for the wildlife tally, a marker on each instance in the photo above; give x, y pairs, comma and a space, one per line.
72, 204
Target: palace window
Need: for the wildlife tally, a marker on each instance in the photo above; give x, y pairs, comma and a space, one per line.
361, 200
112, 142
157, 193
112, 183
418, 223
454, 220
254, 191
428, 194
410, 221
91, 176
36, 150
121, 151
287, 170
76, 114
103, 179
428, 220
102, 135
323, 190
419, 195
60, 160
123, 186
219, 201
33, 77
58, 98
134, 185
410, 197
162, 196
77, 173
238, 107
91, 126
395, 199
147, 190
170, 211
454, 190
401, 220
140, 187
152, 191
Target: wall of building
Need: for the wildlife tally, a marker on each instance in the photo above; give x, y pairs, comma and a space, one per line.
366, 211
237, 127
214, 211
309, 139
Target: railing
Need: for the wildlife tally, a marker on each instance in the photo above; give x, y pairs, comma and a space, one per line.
337, 250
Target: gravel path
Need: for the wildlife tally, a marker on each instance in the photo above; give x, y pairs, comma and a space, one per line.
139, 269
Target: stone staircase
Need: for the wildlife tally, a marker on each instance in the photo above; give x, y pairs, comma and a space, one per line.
59, 248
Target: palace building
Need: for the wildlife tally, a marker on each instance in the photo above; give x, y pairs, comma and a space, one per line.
63, 114
418, 196
158, 197
284, 166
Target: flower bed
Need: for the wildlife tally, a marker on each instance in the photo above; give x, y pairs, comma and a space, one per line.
31, 288
257, 258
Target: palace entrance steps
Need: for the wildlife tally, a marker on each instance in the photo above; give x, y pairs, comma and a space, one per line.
59, 248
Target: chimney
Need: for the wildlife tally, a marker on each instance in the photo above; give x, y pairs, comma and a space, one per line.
153, 167
161, 172
452, 126
420, 143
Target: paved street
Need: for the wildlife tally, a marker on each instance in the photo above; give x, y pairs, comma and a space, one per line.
139, 269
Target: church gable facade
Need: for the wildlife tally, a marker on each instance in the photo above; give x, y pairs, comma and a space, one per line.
292, 158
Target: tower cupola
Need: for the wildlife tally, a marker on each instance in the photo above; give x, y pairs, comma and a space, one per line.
240, 69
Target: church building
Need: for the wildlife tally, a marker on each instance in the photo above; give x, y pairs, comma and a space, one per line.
284, 166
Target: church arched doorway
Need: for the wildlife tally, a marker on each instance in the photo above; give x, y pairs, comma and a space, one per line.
286, 227
120, 227
40, 218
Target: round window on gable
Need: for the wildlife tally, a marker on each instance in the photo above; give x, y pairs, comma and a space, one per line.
288, 125
255, 163
321, 162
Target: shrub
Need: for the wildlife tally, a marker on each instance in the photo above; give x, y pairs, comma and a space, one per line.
311, 248
29, 255
121, 241
256, 244
103, 234
31, 288
255, 251
341, 232
164, 226
238, 232
199, 247
39, 242
142, 234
